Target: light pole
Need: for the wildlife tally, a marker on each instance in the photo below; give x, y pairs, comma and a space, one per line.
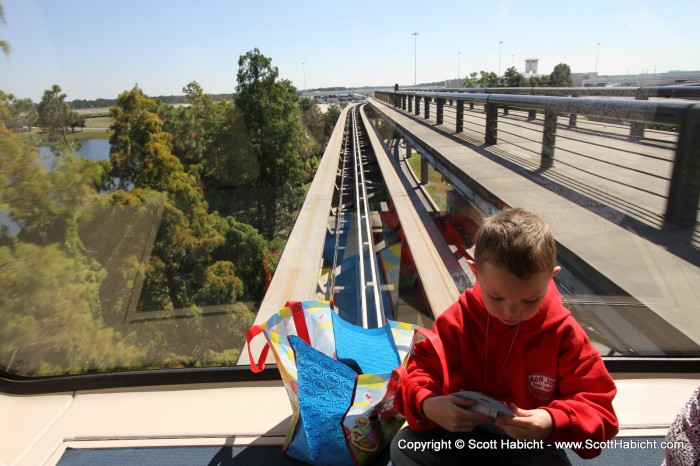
303, 68
500, 46
596, 57
458, 57
415, 58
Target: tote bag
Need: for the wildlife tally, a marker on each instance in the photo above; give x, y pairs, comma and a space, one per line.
341, 380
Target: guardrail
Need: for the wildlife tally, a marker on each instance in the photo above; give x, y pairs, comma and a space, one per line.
639, 93
684, 190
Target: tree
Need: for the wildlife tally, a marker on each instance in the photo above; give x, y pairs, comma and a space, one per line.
561, 76
472, 80
512, 78
539, 81
272, 119
231, 161
4, 45
182, 270
43, 294
42, 203
140, 149
330, 120
193, 126
489, 79
20, 114
54, 116
75, 119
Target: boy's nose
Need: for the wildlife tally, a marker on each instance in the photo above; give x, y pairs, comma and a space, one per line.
512, 310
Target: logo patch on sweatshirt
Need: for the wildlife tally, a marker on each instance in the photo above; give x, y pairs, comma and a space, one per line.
542, 386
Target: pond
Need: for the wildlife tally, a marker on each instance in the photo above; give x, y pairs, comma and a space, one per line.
93, 149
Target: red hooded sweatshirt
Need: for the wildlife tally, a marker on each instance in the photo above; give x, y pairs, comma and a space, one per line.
552, 365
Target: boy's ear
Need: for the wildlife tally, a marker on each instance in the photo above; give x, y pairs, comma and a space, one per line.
556, 270
472, 266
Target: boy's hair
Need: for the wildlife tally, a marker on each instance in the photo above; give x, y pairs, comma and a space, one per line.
517, 240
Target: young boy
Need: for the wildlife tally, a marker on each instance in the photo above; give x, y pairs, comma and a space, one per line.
510, 338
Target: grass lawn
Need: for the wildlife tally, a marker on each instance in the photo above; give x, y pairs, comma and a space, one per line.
98, 122
88, 133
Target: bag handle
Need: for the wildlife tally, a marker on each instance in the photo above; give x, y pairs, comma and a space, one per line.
301, 328
251, 333
436, 343
439, 349
299, 320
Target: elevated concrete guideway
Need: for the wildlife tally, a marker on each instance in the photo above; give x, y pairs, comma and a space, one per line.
628, 260
299, 270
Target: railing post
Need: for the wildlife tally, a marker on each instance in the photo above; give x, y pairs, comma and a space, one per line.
684, 192
491, 123
410, 103
403, 102
532, 115
549, 136
637, 127
423, 170
408, 149
637, 130
439, 109
572, 120
460, 116
417, 105
426, 110
505, 110
471, 105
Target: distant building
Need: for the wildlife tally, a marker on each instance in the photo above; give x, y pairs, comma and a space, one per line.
454, 83
531, 66
579, 78
641, 79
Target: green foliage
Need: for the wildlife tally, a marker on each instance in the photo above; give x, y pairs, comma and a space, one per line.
330, 119
87, 243
489, 79
538, 81
140, 149
472, 80
274, 128
33, 332
513, 78
4, 45
76, 120
18, 114
53, 118
561, 76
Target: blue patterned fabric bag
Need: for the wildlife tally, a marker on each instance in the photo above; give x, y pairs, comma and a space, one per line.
341, 380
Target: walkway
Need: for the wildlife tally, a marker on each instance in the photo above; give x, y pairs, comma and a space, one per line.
628, 250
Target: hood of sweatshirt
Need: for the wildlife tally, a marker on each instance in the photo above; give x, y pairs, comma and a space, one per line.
551, 312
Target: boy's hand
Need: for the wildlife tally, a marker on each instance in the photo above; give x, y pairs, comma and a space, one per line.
452, 413
528, 424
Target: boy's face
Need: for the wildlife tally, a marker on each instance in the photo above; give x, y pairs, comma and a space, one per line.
509, 298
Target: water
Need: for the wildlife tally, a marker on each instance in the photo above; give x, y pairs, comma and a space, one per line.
93, 149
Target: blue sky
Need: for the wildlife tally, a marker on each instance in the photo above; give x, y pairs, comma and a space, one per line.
99, 48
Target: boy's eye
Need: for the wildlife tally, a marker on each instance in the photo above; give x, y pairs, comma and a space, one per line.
495, 298
530, 301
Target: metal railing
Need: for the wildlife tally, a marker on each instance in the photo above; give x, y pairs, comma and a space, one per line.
639, 93
684, 189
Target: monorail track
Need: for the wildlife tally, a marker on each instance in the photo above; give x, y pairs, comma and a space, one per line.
377, 230
355, 189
